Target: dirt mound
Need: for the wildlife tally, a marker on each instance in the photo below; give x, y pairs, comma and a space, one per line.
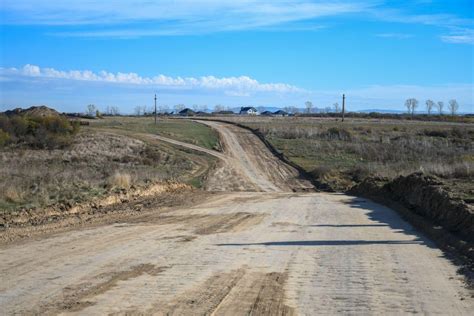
425, 196
41, 111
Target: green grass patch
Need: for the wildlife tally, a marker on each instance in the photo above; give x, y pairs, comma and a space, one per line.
178, 129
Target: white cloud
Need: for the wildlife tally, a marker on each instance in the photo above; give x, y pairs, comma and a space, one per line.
459, 37
242, 85
239, 13
139, 18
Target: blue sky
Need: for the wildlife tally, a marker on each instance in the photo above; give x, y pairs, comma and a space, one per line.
68, 54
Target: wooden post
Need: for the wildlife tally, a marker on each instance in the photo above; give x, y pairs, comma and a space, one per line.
343, 106
155, 108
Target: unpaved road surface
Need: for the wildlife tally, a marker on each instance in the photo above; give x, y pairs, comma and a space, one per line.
273, 252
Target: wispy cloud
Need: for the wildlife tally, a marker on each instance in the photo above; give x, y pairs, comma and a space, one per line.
460, 37
171, 17
138, 18
395, 35
242, 85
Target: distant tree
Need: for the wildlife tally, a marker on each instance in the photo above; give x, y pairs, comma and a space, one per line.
429, 106
163, 108
218, 108
309, 107
97, 113
179, 107
327, 109
138, 110
114, 110
204, 108
337, 108
91, 109
293, 109
261, 109
453, 106
411, 105
195, 107
440, 106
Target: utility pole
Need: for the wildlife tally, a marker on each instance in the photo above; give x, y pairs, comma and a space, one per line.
343, 106
155, 108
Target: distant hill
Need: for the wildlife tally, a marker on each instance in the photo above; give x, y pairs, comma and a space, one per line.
33, 111
381, 111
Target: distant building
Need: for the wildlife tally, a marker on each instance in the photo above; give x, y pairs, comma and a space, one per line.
248, 110
280, 113
187, 112
266, 113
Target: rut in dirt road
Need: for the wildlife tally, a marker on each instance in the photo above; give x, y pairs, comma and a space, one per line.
239, 253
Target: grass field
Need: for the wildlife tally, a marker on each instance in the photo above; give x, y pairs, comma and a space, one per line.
343, 154
182, 130
100, 160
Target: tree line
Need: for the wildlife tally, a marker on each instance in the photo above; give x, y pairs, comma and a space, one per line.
412, 103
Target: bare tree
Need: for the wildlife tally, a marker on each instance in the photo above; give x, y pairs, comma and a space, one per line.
163, 108
195, 107
453, 106
179, 107
114, 110
204, 108
411, 104
440, 106
260, 109
327, 109
218, 108
91, 110
293, 109
429, 106
309, 107
138, 110
336, 107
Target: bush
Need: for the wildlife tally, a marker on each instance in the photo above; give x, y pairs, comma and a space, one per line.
120, 180
436, 133
47, 132
4, 138
338, 133
12, 195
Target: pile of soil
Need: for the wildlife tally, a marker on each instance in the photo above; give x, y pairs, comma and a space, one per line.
429, 204
42, 111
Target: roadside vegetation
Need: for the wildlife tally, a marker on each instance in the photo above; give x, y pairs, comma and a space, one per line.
343, 154
47, 160
39, 132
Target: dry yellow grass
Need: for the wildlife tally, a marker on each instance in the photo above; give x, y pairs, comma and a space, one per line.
12, 195
120, 180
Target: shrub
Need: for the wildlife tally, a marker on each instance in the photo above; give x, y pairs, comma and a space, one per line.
436, 133
120, 180
12, 195
459, 133
337, 133
4, 138
47, 132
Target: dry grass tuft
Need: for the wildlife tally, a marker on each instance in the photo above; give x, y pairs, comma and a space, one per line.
120, 180
12, 195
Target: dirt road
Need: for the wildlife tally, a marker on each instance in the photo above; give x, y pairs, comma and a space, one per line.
267, 252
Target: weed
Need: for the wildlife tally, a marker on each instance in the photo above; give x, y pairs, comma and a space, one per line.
120, 180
